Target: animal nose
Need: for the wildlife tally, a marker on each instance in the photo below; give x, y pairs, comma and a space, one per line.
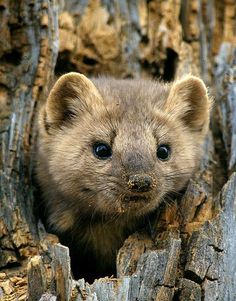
139, 183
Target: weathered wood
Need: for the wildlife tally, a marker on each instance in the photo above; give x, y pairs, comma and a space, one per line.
125, 38
61, 273
28, 51
161, 38
210, 259
190, 254
36, 278
189, 290
48, 297
226, 92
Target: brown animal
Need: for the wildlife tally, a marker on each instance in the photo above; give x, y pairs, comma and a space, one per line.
111, 150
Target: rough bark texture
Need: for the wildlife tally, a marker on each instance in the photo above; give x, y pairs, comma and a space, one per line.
28, 51
191, 255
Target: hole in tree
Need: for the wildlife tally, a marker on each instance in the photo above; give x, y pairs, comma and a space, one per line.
170, 64
64, 64
145, 39
128, 76
2, 8
88, 267
192, 276
152, 68
83, 262
12, 265
14, 57
89, 61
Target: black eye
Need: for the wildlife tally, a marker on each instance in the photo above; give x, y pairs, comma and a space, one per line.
163, 152
102, 151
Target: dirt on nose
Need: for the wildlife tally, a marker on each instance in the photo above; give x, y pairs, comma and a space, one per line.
140, 183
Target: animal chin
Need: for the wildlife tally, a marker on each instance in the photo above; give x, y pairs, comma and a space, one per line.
135, 199
134, 203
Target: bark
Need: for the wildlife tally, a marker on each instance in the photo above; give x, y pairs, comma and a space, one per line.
191, 252
28, 51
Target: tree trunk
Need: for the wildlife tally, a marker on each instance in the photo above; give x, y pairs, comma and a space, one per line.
28, 51
191, 254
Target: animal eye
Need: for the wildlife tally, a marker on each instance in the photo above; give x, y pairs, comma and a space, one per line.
102, 151
163, 152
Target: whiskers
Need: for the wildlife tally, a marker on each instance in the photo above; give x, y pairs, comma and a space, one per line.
178, 173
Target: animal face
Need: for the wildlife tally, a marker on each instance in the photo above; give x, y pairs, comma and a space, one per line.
113, 148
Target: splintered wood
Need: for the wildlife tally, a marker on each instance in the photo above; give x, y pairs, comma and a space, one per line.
191, 251
28, 52
13, 287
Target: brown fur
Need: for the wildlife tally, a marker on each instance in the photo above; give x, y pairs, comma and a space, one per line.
89, 199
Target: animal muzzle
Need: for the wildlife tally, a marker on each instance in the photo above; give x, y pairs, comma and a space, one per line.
140, 183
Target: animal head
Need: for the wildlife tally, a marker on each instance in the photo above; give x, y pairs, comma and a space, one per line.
118, 147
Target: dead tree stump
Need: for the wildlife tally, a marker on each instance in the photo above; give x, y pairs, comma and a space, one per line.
192, 254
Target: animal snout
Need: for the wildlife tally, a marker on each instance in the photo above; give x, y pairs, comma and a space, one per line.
140, 183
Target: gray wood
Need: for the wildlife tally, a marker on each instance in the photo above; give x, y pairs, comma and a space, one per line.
36, 278
191, 252
61, 273
48, 297
28, 51
226, 93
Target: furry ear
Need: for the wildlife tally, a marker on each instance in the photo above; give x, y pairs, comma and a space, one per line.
189, 101
72, 94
